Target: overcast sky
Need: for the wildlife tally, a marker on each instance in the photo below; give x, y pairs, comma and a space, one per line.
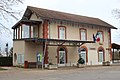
101, 9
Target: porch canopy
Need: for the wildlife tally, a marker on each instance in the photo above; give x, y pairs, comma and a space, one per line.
26, 22
114, 57
115, 46
58, 42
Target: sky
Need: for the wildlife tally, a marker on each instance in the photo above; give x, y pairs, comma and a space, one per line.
101, 9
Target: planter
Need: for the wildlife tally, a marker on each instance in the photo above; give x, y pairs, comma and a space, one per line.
53, 66
107, 63
80, 65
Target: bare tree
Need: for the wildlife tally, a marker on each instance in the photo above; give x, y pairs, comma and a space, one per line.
8, 12
116, 13
11, 52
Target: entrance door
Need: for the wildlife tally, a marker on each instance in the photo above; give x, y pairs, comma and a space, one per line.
83, 54
62, 60
100, 56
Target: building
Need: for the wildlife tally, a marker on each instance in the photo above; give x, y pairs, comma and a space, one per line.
115, 52
61, 38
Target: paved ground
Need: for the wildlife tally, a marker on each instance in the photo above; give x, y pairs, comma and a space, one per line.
87, 73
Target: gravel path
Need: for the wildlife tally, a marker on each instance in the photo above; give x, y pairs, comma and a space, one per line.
87, 73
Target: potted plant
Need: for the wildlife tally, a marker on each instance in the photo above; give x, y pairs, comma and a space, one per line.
81, 62
107, 63
51, 65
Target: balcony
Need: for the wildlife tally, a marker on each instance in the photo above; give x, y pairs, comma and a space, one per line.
27, 29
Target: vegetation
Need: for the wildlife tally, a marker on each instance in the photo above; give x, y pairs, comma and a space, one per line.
8, 12
6, 61
11, 52
81, 61
116, 13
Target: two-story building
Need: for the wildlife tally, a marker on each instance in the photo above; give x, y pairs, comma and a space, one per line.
60, 38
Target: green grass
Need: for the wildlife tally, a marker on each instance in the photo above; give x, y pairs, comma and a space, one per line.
2, 69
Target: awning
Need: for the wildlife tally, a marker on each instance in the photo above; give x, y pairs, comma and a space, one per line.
115, 46
58, 42
26, 22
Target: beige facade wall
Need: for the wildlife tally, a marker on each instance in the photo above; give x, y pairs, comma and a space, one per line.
28, 49
31, 50
72, 33
19, 48
34, 17
72, 55
52, 53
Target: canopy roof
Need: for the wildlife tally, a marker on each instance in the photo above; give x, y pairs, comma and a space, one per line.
56, 42
115, 46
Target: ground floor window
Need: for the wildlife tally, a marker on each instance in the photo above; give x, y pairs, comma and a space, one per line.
100, 55
20, 59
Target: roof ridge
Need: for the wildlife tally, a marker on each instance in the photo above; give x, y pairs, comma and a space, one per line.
47, 13
62, 12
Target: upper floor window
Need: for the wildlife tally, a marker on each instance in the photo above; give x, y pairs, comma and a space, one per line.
83, 34
34, 31
25, 31
62, 32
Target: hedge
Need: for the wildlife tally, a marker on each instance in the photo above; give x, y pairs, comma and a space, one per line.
6, 61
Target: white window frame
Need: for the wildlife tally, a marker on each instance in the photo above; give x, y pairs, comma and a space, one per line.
62, 32
100, 53
20, 58
25, 31
83, 34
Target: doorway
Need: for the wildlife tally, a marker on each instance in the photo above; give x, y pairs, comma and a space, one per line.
62, 57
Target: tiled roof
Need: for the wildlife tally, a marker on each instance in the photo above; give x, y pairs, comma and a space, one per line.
69, 17
115, 46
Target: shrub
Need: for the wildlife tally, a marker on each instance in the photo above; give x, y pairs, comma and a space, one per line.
6, 61
81, 61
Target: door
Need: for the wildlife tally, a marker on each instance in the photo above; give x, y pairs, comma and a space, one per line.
100, 56
83, 54
62, 58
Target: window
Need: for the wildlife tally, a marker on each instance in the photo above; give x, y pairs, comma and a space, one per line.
83, 34
34, 31
101, 54
20, 59
25, 31
14, 34
100, 36
62, 33
20, 32
17, 33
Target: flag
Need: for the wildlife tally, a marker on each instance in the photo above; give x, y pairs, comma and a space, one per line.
94, 39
